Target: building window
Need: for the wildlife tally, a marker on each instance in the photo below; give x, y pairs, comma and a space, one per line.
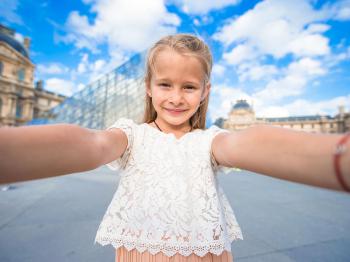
36, 113
1, 68
18, 109
21, 74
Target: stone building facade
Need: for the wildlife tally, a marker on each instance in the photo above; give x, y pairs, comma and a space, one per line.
242, 116
20, 101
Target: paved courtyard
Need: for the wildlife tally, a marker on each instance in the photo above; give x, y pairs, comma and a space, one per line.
56, 219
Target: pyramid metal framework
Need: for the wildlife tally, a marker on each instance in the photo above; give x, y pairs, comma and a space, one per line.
117, 94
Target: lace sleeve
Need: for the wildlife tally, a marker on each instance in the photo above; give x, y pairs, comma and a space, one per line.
216, 167
127, 126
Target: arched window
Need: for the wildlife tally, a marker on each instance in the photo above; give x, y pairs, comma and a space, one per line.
18, 109
1, 68
21, 74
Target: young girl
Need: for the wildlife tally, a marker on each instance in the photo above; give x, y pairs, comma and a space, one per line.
169, 206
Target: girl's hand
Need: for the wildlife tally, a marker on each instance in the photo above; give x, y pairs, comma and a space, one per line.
283, 153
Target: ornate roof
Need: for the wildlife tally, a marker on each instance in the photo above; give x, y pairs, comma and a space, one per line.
241, 104
19, 47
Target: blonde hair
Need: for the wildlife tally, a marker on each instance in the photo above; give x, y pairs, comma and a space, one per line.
184, 44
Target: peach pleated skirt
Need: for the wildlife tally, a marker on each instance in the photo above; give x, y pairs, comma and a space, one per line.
123, 255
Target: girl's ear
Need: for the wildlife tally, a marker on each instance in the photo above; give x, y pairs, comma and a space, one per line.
206, 91
148, 88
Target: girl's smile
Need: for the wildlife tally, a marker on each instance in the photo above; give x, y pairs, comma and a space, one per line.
175, 112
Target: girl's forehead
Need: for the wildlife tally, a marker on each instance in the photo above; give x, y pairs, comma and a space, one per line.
172, 62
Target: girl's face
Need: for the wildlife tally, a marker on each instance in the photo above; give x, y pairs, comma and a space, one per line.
177, 87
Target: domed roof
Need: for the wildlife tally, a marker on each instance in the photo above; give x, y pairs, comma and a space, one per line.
14, 44
241, 104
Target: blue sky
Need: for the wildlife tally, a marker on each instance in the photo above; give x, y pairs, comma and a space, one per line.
286, 58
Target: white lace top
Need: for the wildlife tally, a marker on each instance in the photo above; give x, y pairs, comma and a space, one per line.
168, 198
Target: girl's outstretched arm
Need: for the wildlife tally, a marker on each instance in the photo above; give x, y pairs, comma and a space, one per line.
284, 153
33, 152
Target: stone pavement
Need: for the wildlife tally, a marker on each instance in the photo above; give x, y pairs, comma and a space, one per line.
56, 219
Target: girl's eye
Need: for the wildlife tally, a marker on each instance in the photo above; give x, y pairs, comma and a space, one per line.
190, 87
164, 84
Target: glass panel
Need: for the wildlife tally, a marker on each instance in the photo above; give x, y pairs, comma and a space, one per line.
119, 93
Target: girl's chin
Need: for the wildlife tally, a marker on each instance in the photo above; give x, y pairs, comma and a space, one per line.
175, 120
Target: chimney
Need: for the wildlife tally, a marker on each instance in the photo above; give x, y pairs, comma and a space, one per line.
39, 85
26, 42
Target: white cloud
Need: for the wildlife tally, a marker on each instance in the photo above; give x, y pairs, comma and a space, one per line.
121, 25
218, 70
84, 64
81, 68
275, 90
309, 45
240, 53
80, 87
61, 86
344, 14
340, 10
294, 81
302, 107
271, 111
98, 65
92, 70
52, 69
334, 59
8, 9
117, 57
206, 19
276, 28
203, 6
317, 28
306, 67
323, 107
255, 71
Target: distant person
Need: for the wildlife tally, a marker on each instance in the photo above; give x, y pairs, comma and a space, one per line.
168, 203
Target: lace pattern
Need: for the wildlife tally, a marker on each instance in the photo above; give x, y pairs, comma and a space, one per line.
162, 205
127, 126
218, 169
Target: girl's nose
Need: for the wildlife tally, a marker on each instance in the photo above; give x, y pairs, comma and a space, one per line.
176, 96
